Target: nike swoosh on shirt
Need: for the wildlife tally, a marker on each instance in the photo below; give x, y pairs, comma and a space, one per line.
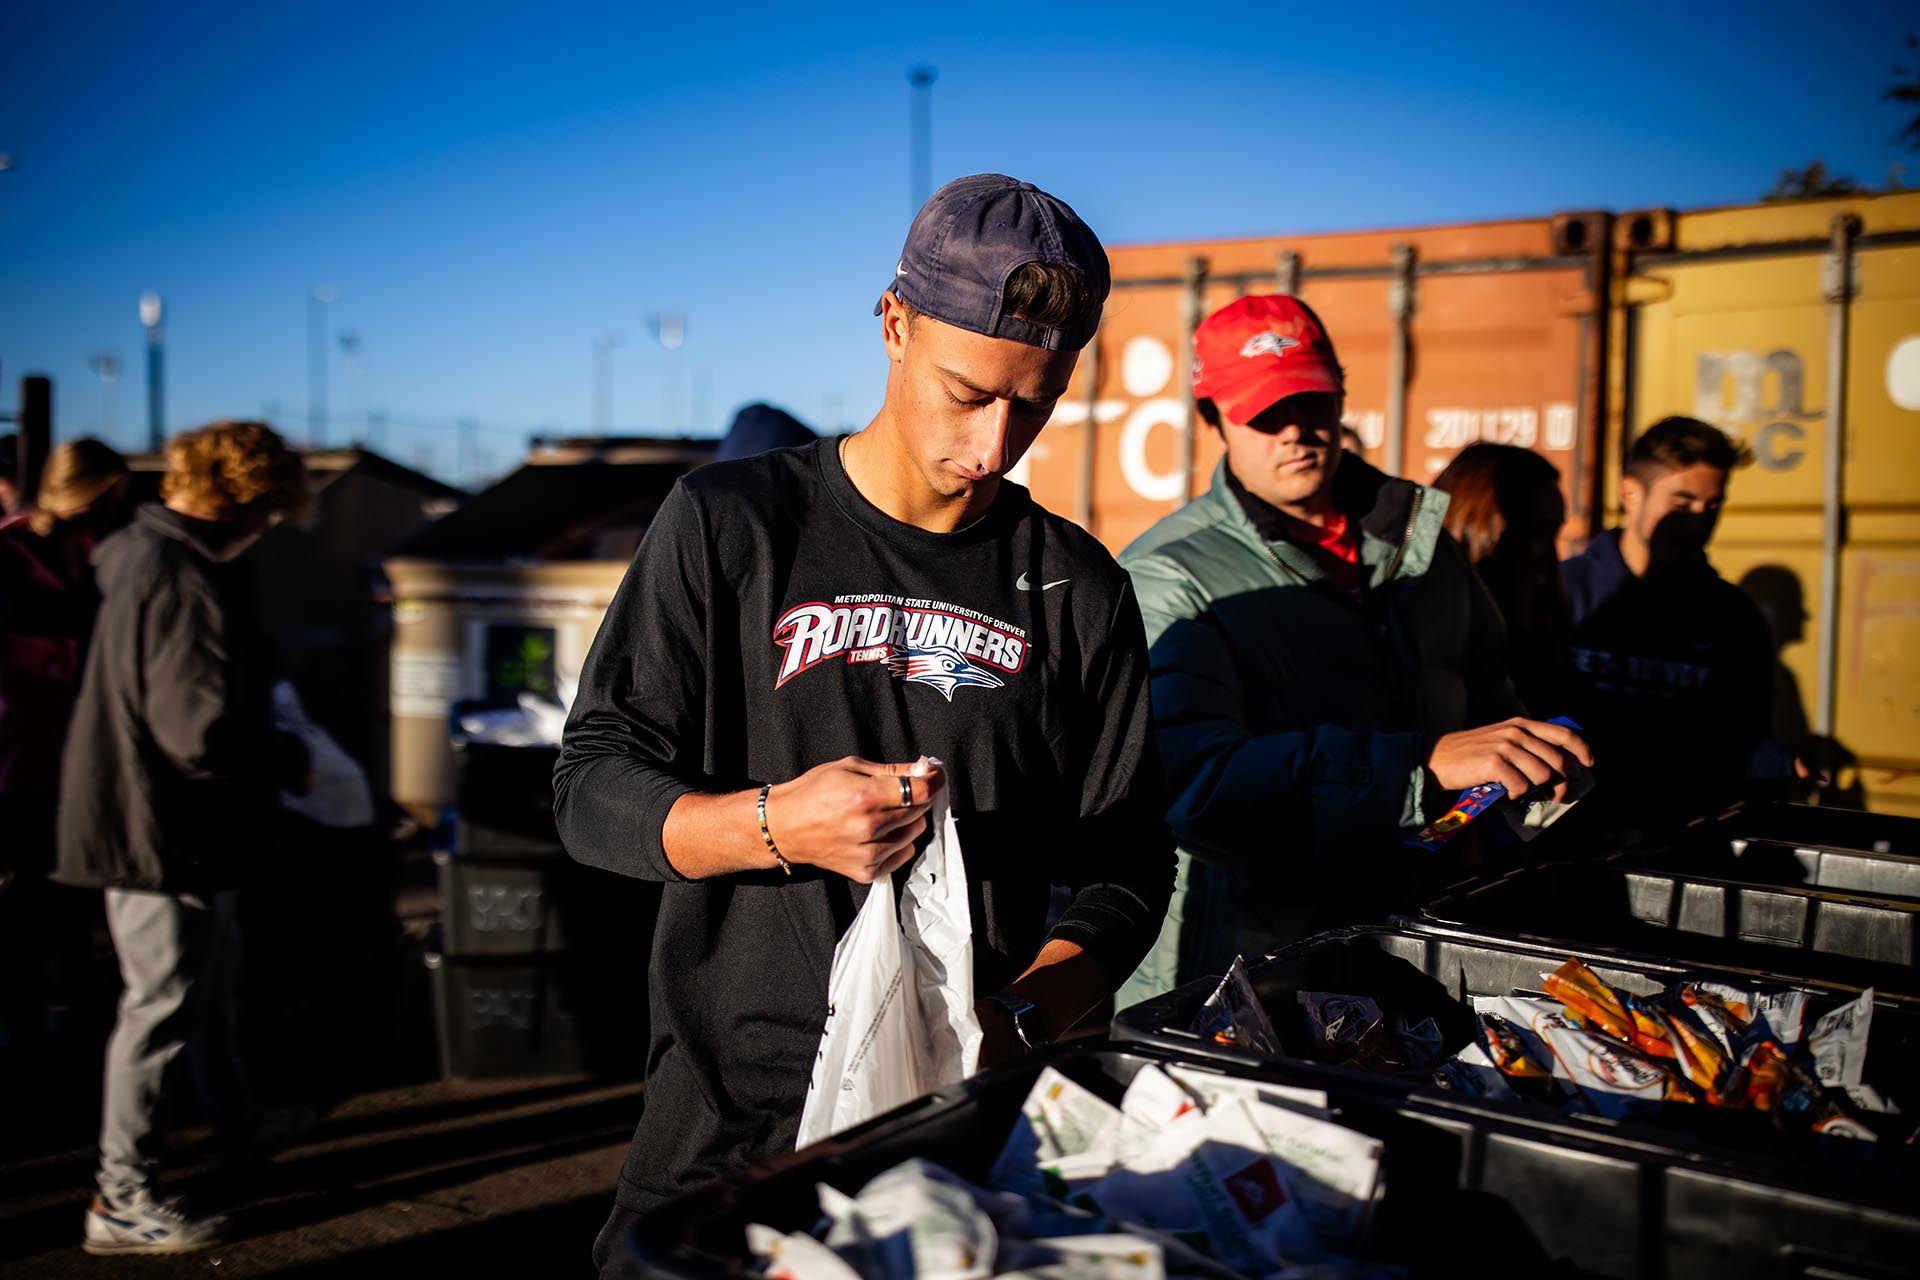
1021, 584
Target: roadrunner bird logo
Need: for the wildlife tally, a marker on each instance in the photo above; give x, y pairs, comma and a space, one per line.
1268, 344
943, 669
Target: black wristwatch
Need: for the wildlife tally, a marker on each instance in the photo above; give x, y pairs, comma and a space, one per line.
1028, 1022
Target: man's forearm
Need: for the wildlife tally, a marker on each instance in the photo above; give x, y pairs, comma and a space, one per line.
1063, 982
716, 835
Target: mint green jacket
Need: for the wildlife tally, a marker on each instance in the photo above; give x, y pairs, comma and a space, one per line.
1293, 721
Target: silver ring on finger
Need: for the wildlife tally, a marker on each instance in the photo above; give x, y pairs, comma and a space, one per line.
906, 793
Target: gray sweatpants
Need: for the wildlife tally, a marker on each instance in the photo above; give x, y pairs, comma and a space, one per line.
180, 962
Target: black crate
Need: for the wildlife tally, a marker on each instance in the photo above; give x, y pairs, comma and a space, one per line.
502, 907
1879, 875
1540, 1194
503, 798
496, 1019
1738, 1197
1823, 828
1795, 845
1856, 940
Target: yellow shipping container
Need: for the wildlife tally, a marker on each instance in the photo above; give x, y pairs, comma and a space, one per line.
1796, 328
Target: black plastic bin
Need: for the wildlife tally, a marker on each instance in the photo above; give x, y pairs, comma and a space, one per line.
1738, 1197
1614, 906
1796, 845
502, 906
1468, 1189
503, 797
1825, 828
500, 1019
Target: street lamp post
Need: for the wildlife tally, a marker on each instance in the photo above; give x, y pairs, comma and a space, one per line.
152, 318
603, 347
317, 301
107, 366
351, 350
921, 79
669, 329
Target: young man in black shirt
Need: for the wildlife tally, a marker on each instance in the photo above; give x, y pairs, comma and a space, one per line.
1673, 665
798, 627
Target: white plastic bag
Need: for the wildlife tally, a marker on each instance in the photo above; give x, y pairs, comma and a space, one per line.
1839, 1042
900, 1020
339, 795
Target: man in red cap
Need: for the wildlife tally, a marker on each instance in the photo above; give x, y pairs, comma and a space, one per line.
1326, 668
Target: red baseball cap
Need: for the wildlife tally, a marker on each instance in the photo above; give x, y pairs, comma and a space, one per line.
1256, 351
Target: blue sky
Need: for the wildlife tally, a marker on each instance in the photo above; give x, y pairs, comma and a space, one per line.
489, 187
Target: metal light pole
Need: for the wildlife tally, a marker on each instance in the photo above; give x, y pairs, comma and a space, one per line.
921, 79
603, 348
317, 301
669, 329
467, 429
107, 365
152, 316
351, 351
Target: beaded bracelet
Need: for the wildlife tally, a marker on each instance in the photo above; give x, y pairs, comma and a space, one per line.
767, 835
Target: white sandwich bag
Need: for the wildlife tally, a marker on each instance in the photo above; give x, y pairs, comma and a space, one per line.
900, 1020
338, 794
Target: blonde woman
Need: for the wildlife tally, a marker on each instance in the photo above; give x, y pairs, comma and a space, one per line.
169, 783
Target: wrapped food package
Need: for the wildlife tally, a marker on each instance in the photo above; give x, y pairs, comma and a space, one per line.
1839, 1042
1234, 1015
1190, 1174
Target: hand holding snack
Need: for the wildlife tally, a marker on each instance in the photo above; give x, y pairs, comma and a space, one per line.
1520, 755
1530, 802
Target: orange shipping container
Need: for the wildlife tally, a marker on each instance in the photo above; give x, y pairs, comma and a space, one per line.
1483, 331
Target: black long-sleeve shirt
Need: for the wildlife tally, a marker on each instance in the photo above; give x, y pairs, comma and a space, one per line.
773, 620
1673, 682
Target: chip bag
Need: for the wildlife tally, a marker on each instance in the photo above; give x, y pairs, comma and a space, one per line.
1233, 1014
1525, 1071
1696, 1051
1343, 1027
1761, 1071
1581, 990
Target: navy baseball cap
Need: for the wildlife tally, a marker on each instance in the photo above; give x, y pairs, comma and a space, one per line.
971, 236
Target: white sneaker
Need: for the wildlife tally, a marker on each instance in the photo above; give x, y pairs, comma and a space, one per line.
146, 1225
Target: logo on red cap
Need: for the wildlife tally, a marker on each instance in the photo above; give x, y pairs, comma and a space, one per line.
1267, 344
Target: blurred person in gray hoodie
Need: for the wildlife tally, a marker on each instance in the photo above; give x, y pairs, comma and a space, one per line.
169, 782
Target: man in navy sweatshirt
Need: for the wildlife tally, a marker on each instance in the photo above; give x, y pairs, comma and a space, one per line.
798, 627
1673, 668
